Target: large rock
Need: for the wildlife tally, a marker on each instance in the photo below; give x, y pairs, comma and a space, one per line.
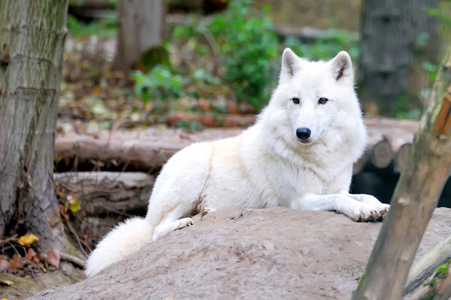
253, 254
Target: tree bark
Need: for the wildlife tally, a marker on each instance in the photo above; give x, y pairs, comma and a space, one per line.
141, 26
401, 157
396, 36
415, 197
31, 52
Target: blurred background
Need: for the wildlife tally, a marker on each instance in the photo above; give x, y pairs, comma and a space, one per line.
140, 60
198, 64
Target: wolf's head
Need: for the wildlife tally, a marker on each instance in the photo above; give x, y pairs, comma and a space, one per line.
315, 101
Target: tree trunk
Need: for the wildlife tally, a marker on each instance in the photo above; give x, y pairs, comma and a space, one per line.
141, 26
415, 197
31, 52
396, 37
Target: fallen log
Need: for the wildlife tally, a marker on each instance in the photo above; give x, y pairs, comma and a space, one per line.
104, 192
148, 149
437, 287
425, 266
362, 163
139, 154
140, 150
382, 153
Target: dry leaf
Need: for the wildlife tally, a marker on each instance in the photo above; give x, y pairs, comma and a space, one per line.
28, 239
4, 262
41, 266
32, 256
17, 262
74, 204
97, 91
6, 282
53, 257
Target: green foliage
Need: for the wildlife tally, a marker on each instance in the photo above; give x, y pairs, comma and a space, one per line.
430, 282
193, 126
105, 27
361, 281
407, 106
248, 47
162, 85
326, 46
243, 42
156, 55
249, 51
409, 115
159, 85
422, 40
202, 84
431, 70
442, 270
429, 296
241, 46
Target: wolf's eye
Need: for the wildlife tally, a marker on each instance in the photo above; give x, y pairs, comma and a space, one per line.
295, 100
322, 100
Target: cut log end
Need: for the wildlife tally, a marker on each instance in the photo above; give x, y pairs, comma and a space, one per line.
382, 154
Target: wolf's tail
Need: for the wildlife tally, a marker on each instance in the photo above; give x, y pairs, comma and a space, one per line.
125, 239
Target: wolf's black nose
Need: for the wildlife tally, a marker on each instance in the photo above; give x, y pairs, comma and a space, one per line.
303, 133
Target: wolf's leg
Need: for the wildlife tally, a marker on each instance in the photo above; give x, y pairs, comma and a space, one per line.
357, 211
371, 200
177, 193
170, 223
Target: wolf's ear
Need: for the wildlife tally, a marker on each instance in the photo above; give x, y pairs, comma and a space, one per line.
342, 67
291, 63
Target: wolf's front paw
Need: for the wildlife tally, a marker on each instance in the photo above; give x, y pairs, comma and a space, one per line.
182, 223
372, 201
383, 209
365, 213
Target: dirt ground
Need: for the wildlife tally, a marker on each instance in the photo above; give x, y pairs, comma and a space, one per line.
26, 286
275, 253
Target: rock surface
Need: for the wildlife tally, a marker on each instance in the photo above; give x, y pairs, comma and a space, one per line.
275, 253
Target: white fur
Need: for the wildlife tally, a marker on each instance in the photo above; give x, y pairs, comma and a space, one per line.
265, 166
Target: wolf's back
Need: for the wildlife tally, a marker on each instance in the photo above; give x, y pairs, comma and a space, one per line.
125, 239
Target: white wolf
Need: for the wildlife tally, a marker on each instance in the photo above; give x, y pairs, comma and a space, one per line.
299, 154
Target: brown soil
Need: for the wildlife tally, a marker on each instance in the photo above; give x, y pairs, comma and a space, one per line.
274, 253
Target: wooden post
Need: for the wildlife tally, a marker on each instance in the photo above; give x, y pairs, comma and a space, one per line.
415, 197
